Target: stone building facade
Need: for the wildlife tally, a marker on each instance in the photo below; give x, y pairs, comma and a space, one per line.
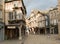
15, 13
1, 20
38, 21
53, 18
59, 17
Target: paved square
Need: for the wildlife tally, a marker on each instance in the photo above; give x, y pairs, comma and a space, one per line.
35, 39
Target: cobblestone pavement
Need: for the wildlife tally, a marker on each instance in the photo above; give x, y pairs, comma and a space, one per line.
42, 39
35, 39
10, 42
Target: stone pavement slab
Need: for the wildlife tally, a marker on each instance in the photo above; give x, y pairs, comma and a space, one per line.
41, 39
35, 39
10, 42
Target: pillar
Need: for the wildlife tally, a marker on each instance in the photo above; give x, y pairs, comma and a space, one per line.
50, 30
45, 31
53, 30
20, 37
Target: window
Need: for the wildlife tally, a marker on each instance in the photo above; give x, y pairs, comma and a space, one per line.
42, 18
1, 2
40, 24
43, 23
0, 13
55, 21
50, 16
46, 23
17, 3
10, 15
15, 14
52, 22
18, 14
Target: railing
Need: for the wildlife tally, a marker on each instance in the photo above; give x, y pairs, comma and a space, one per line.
16, 20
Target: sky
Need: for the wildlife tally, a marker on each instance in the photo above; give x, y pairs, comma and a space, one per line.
39, 4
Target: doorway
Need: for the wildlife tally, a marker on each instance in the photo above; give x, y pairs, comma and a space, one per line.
11, 34
42, 31
47, 31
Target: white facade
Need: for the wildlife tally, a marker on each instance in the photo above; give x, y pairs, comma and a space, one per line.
37, 19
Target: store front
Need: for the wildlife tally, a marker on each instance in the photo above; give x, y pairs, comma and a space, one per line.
14, 32
11, 32
42, 31
54, 30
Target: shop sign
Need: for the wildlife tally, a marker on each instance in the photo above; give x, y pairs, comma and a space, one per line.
11, 27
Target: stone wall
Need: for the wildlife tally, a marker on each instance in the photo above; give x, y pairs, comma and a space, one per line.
1, 31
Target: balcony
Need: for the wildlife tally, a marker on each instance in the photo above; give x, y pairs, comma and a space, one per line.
14, 21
